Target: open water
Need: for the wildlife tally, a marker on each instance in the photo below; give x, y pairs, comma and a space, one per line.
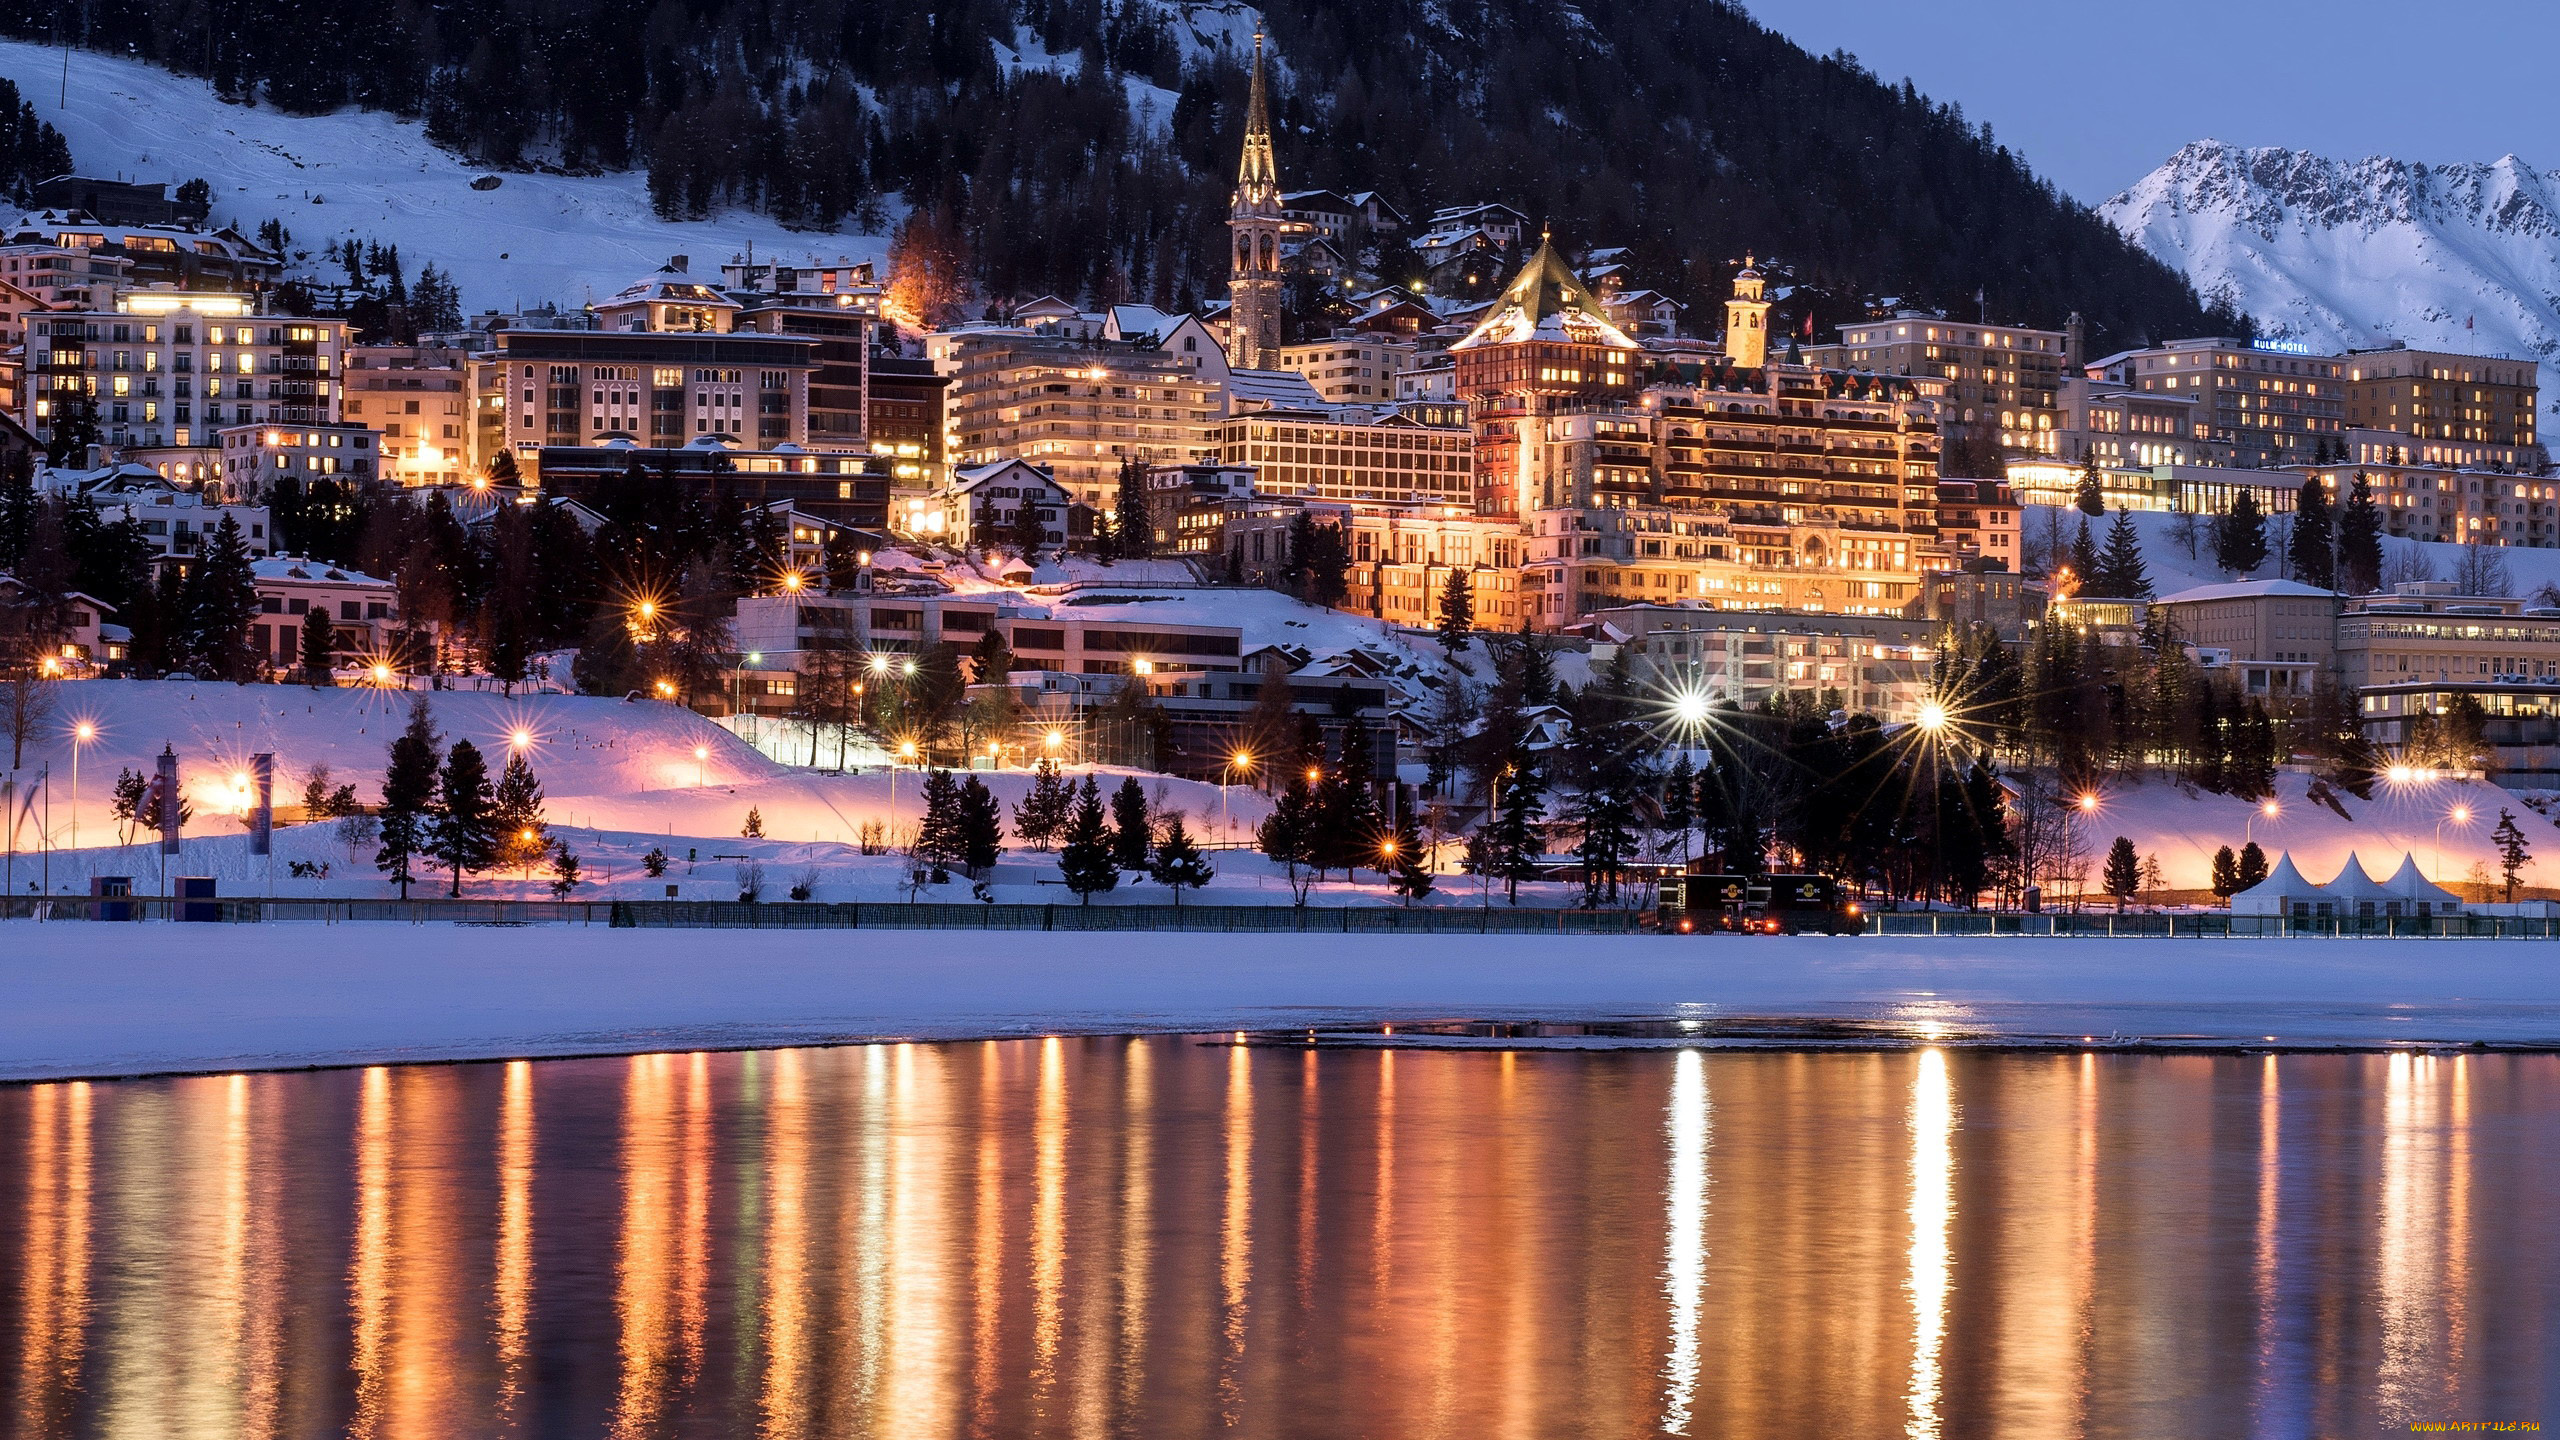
1183, 1236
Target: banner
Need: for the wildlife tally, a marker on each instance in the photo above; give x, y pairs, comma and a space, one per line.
167, 795
262, 813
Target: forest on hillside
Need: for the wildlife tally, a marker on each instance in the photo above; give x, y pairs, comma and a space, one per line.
1683, 130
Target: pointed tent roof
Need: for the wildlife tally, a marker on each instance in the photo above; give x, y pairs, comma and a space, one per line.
2409, 883
1547, 301
2354, 882
2283, 885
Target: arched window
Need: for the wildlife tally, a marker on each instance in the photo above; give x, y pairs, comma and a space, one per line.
1268, 244
1244, 252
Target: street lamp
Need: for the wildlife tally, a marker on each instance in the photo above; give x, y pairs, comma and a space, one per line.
2248, 832
1933, 716
701, 765
1241, 760
906, 755
81, 734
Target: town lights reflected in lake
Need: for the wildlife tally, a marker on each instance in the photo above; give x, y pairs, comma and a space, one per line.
1165, 1237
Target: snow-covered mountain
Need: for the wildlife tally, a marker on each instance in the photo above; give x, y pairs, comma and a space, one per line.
2345, 253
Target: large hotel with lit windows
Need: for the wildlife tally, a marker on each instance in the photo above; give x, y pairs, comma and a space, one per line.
165, 369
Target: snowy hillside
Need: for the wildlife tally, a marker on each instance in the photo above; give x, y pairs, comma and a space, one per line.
2173, 568
535, 238
2361, 252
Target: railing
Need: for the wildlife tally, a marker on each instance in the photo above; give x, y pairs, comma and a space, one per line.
1321, 919
798, 915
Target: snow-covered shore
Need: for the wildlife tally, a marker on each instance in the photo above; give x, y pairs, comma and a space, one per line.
97, 1000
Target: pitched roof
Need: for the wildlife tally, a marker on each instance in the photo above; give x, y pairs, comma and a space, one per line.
2248, 590
1547, 301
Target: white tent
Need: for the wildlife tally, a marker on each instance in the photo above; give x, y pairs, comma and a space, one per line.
2417, 894
2356, 893
2283, 888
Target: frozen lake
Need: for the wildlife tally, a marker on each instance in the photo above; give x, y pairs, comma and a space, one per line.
1178, 1235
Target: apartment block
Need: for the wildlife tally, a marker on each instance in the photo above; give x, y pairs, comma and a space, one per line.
538, 388
2259, 403
2000, 380
417, 399
2439, 395
1078, 408
167, 368
1351, 454
1350, 369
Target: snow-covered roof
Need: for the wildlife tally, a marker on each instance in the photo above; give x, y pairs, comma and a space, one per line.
285, 568
2409, 883
2247, 590
2271, 896
1547, 301
1136, 322
2355, 883
672, 287
1271, 390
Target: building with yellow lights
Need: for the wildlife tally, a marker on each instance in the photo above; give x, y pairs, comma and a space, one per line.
1078, 409
255, 457
1877, 664
416, 398
168, 368
1351, 454
362, 611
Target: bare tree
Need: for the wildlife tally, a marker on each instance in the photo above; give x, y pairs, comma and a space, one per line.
2406, 564
26, 705
2482, 570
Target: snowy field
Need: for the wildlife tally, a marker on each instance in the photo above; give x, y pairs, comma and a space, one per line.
566, 239
98, 1000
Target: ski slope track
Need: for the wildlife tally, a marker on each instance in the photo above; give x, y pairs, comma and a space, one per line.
536, 238
2358, 253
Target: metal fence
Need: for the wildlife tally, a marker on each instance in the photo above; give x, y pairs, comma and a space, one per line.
797, 915
1342, 920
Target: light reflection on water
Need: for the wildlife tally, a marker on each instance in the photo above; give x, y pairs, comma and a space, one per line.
1117, 1236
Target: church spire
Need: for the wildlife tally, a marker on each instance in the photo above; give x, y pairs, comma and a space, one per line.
1258, 169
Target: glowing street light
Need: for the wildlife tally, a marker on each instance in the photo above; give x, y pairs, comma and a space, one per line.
701, 765
2089, 802
82, 732
879, 664
520, 739
1689, 707
792, 582
666, 689
1933, 716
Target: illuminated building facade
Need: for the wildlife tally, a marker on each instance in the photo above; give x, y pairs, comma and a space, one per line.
168, 368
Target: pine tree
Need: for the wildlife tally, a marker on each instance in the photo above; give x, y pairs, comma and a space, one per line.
221, 598
2309, 549
1287, 834
2226, 873
1408, 863
409, 797
1457, 610
1029, 534
1537, 671
317, 657
464, 835
1519, 834
1130, 836
753, 829
991, 661
2089, 494
939, 842
1680, 800
1347, 801
981, 828
2251, 872
1086, 860
2359, 558
2513, 856
2240, 535
1178, 863
1133, 527
564, 871
2123, 873
516, 816
2085, 563
2121, 574
1042, 813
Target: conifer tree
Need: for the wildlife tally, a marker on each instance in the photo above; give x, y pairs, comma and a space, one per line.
2085, 564
1680, 800
2513, 855
1133, 528
2226, 873
1131, 837
991, 662
2309, 549
1042, 812
409, 797
316, 656
463, 835
2240, 535
940, 842
2251, 871
1457, 610
564, 871
517, 814
1178, 863
1085, 859
1347, 803
753, 829
1519, 834
2120, 570
2359, 558
1408, 866
1028, 533
2089, 494
221, 598
981, 827
1287, 834
2123, 874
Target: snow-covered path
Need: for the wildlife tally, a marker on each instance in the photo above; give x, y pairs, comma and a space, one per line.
101, 1000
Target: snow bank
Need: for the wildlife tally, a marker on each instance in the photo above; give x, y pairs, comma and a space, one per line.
111, 1000
2183, 826
570, 239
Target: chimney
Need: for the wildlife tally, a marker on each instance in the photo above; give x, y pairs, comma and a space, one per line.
679, 263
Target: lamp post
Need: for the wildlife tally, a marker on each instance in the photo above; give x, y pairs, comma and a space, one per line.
81, 734
1241, 760
906, 753
2459, 815
2248, 831
701, 766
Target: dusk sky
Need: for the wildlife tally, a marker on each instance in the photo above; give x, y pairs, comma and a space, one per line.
2098, 96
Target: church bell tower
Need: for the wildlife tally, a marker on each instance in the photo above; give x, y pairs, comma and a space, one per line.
1746, 319
1253, 219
